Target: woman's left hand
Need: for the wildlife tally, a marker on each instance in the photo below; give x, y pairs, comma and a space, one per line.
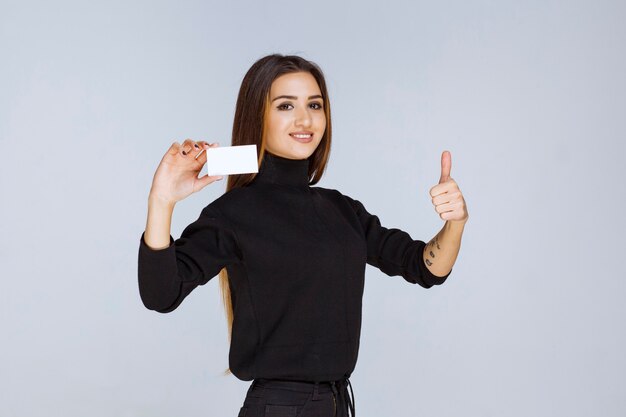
446, 196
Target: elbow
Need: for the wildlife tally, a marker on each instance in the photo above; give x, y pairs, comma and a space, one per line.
427, 284
436, 284
150, 304
428, 280
154, 304
429, 276
158, 298
437, 280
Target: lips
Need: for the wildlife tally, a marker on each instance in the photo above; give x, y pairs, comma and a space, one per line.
301, 135
304, 137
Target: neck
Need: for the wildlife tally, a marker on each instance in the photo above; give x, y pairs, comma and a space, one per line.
279, 170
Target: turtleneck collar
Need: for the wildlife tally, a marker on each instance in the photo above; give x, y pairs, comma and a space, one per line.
278, 170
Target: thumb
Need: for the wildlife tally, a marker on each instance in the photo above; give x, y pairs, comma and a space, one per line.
446, 165
208, 179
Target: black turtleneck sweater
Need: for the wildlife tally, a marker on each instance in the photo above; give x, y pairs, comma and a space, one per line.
295, 256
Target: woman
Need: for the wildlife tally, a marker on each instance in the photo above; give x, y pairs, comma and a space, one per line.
291, 257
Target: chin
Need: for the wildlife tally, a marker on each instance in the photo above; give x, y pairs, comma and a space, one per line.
299, 155
302, 153
305, 153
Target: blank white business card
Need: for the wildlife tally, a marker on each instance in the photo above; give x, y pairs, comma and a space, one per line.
226, 160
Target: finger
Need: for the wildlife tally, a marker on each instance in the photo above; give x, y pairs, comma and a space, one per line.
438, 189
446, 166
440, 199
186, 147
448, 197
174, 148
201, 147
456, 215
205, 145
198, 148
442, 208
449, 186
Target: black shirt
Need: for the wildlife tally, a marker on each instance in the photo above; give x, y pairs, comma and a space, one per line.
295, 256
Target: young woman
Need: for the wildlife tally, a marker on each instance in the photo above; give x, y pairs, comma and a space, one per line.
291, 257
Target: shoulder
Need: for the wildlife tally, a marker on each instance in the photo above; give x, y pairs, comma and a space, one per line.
337, 196
229, 201
328, 193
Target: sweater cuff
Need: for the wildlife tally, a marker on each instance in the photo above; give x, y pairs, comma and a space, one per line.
158, 275
144, 246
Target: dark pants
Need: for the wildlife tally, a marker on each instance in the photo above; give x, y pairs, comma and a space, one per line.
280, 398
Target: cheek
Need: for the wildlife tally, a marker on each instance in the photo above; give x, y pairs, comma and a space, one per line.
320, 119
277, 124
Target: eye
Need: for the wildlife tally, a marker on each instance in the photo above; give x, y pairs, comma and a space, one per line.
319, 106
281, 107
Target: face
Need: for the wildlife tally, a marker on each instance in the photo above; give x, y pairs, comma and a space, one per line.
295, 124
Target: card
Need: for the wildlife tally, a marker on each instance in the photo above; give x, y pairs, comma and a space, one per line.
226, 160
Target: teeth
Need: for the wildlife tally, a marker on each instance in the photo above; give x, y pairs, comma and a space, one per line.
301, 136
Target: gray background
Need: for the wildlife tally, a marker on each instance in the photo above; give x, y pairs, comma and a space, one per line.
529, 98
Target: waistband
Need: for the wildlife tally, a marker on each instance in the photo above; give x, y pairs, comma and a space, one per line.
338, 387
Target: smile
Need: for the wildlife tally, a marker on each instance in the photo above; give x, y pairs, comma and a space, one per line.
302, 137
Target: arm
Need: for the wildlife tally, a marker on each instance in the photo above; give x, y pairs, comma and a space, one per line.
393, 250
169, 270
168, 273
159, 223
441, 251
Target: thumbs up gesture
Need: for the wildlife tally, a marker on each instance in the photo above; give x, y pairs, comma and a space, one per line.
446, 196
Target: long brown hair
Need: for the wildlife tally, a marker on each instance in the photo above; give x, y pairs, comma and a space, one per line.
253, 105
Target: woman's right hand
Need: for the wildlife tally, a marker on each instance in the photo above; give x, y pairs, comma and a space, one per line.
176, 176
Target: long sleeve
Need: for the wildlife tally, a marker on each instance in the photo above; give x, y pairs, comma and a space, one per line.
394, 251
166, 276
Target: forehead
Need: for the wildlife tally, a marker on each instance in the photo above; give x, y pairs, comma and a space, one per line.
297, 83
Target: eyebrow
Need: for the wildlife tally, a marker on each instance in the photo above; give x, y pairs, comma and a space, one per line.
295, 98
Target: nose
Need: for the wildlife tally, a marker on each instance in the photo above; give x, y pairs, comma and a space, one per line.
303, 118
